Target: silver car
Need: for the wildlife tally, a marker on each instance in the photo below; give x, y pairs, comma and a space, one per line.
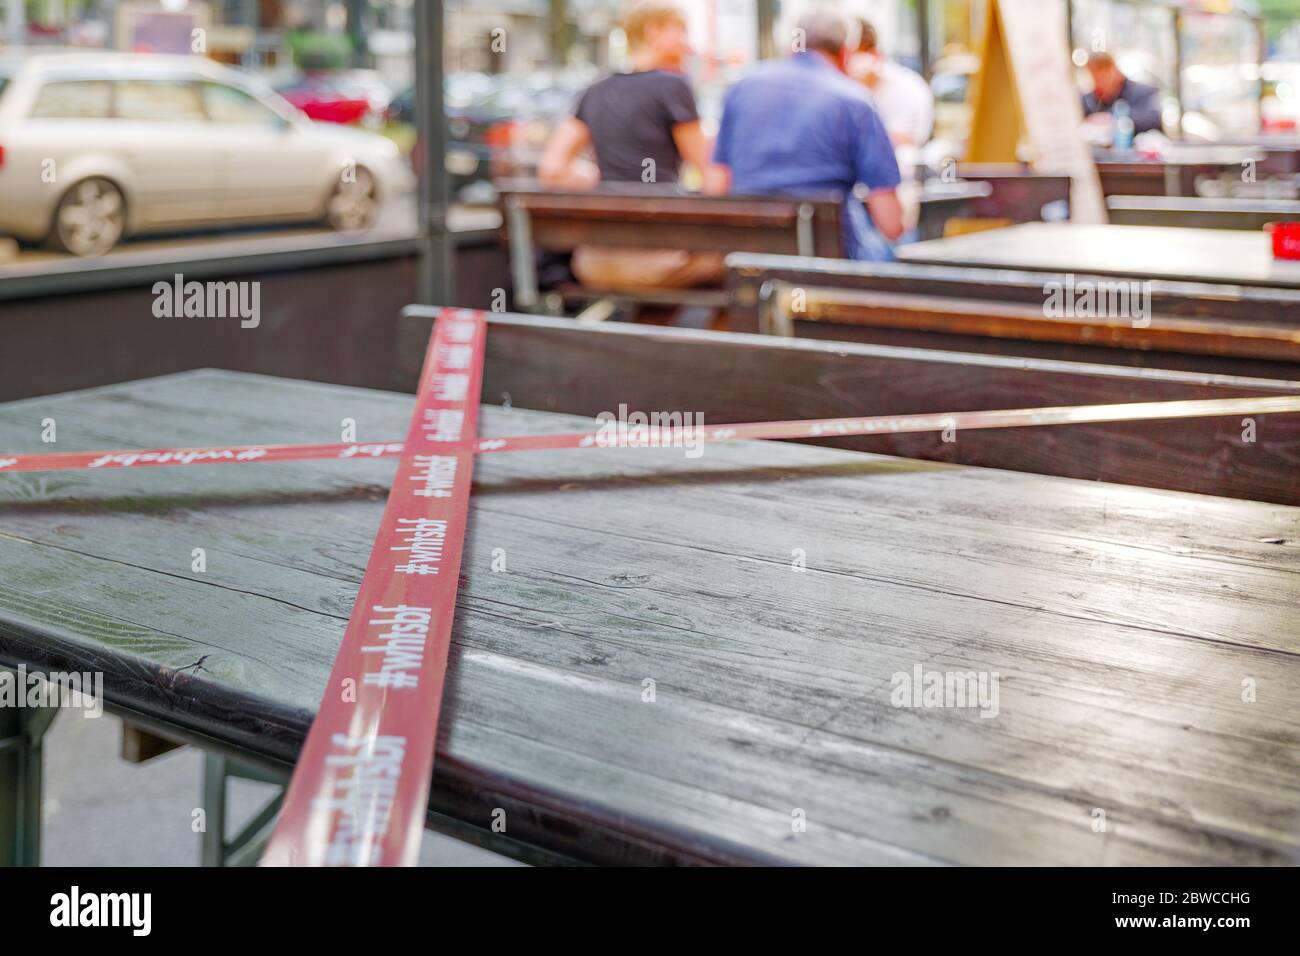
97, 146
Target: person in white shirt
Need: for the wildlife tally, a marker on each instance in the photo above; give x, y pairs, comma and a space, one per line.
903, 98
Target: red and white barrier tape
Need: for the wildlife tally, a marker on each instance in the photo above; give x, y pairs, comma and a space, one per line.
360, 790
641, 436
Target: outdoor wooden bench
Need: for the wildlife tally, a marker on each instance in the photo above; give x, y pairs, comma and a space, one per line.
654, 217
940, 203
558, 365
1016, 194
1230, 329
1143, 253
1199, 213
649, 216
1185, 173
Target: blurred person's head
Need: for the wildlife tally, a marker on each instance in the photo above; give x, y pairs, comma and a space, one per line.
826, 32
1107, 80
656, 34
868, 40
864, 59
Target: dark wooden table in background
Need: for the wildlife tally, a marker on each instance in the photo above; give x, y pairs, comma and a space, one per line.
1180, 171
1250, 215
1122, 622
1137, 252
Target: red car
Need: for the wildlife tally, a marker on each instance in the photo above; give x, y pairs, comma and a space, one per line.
342, 96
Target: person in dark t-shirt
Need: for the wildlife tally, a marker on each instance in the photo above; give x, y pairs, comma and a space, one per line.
632, 119
641, 126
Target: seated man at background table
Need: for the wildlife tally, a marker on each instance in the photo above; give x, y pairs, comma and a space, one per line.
642, 126
800, 126
1110, 86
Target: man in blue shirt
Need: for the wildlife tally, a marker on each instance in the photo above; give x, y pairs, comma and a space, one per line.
799, 126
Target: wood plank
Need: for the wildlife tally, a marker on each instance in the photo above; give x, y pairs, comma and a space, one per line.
1280, 343
1198, 213
140, 745
562, 219
1202, 300
657, 216
1008, 314
546, 364
1122, 621
1137, 252
1017, 194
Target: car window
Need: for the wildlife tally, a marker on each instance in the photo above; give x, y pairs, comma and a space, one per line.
74, 99
226, 104
159, 101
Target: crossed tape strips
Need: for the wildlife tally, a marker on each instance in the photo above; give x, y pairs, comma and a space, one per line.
361, 784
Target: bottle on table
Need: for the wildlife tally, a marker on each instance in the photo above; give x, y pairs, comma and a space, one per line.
1123, 127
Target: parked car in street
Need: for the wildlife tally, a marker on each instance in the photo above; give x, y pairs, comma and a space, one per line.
340, 96
496, 125
98, 146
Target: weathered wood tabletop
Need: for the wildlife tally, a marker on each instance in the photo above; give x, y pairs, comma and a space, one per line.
1138, 252
1123, 623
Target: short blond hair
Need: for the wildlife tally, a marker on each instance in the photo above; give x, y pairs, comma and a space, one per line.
639, 14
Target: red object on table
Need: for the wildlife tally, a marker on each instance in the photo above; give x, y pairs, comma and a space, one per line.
1286, 239
360, 791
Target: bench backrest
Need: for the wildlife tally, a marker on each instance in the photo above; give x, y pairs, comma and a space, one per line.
635, 215
1016, 194
1199, 213
950, 307
739, 378
666, 218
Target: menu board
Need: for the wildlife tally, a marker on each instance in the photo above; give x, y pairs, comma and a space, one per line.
145, 27
1025, 91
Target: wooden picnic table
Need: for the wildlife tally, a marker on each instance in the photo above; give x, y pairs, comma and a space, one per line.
1123, 623
1136, 252
1252, 215
1178, 172
939, 201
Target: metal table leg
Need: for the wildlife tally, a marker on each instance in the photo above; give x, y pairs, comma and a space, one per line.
245, 847
21, 732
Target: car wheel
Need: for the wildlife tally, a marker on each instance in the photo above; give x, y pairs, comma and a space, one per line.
90, 218
354, 204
